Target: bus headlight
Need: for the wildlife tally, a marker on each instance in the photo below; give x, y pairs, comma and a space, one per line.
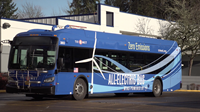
51, 79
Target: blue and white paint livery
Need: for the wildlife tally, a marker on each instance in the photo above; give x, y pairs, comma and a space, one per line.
99, 76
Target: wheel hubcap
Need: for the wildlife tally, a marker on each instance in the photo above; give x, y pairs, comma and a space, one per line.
79, 89
157, 88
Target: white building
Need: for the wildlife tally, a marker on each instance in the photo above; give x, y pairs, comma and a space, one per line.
107, 19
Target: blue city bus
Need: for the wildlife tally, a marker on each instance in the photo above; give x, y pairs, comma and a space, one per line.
80, 62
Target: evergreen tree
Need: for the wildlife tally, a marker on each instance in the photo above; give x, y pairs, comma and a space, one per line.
83, 7
7, 9
124, 5
151, 8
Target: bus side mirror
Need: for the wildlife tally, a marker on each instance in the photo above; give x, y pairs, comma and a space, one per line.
60, 63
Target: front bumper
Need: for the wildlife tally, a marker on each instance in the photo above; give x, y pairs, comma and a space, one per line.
49, 90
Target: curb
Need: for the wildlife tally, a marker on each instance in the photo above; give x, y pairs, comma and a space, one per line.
182, 90
2, 91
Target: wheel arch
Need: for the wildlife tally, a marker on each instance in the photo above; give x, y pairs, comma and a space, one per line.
85, 79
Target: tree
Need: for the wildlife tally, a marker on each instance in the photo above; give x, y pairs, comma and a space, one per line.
82, 7
143, 26
186, 28
29, 10
124, 5
151, 8
7, 9
68, 11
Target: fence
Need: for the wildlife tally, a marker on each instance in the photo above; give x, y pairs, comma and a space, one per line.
191, 82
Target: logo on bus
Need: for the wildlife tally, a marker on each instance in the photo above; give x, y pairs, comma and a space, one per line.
80, 42
138, 46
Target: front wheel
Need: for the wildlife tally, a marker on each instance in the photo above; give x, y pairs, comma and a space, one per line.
80, 89
157, 88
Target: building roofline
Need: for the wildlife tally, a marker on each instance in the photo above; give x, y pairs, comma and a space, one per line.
58, 16
26, 21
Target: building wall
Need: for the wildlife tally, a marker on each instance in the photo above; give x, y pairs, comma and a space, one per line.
189, 82
114, 22
4, 58
132, 24
89, 26
19, 26
123, 23
102, 18
9, 33
195, 67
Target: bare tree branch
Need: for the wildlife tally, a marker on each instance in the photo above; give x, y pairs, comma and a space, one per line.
29, 10
185, 29
143, 27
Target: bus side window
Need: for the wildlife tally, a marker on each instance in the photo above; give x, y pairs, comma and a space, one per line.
66, 54
81, 54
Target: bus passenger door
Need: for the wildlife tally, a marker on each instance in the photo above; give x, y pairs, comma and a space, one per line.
64, 75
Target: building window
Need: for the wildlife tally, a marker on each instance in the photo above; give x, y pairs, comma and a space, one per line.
109, 19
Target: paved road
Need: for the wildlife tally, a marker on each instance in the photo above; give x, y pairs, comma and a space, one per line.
173, 101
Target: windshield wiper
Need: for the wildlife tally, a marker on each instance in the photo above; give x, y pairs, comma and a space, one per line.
30, 65
33, 56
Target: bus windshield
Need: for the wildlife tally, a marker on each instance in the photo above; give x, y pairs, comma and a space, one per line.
32, 53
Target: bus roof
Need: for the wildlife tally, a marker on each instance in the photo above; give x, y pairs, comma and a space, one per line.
77, 37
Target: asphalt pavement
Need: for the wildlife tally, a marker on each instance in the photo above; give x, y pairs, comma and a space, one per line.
168, 102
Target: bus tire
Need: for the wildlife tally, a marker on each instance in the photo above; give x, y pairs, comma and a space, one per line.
80, 89
157, 88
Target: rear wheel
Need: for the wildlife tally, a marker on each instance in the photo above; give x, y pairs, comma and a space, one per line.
157, 88
80, 89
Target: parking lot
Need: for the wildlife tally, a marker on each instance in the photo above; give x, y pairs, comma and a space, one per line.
170, 101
